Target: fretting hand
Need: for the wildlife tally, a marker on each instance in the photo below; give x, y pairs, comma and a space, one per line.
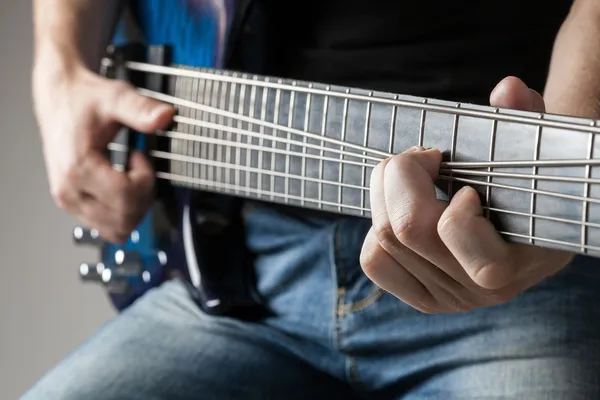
78, 113
444, 257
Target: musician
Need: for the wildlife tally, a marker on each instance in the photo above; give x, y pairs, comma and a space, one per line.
424, 301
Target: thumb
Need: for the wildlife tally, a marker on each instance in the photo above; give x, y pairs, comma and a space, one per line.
511, 92
127, 107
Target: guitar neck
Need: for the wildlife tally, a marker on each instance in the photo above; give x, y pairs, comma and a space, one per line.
313, 145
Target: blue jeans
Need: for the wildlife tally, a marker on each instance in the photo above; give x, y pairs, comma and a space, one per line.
336, 335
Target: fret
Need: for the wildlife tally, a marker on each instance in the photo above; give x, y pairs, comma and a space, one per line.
222, 99
231, 107
453, 149
393, 127
586, 194
536, 156
261, 130
275, 134
195, 147
365, 143
342, 137
422, 125
179, 146
492, 148
204, 89
251, 129
304, 141
286, 189
321, 153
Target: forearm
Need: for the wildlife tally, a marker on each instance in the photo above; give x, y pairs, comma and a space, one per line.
72, 33
573, 85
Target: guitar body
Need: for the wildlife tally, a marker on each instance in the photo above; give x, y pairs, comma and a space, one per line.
194, 236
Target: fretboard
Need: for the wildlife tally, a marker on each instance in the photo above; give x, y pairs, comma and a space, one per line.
312, 145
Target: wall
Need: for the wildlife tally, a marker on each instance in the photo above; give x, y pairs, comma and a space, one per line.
44, 310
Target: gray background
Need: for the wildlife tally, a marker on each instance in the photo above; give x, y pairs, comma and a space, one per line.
45, 312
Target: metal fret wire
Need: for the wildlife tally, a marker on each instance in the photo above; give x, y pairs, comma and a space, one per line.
274, 134
536, 155
251, 113
304, 149
422, 124
321, 153
453, 148
586, 190
363, 175
230, 136
288, 139
492, 148
219, 133
221, 75
342, 137
262, 132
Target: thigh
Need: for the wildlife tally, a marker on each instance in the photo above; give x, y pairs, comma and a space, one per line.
163, 347
545, 344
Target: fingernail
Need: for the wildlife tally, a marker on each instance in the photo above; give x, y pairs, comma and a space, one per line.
415, 149
158, 110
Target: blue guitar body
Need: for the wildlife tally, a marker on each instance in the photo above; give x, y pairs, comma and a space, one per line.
189, 235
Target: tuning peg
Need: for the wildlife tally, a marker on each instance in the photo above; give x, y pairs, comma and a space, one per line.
114, 282
91, 272
127, 263
86, 236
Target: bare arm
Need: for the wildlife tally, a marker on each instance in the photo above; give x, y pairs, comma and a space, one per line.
70, 34
573, 85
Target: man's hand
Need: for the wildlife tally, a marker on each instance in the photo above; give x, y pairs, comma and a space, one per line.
440, 257
79, 113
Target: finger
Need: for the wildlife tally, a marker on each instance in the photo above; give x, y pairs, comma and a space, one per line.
141, 174
98, 177
126, 194
412, 205
106, 221
437, 283
513, 93
123, 104
386, 273
475, 243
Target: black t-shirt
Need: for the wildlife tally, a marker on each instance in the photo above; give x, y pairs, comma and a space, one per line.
456, 50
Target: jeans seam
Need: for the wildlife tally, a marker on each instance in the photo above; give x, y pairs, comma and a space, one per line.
339, 289
365, 302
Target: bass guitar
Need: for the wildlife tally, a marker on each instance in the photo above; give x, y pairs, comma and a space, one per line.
240, 136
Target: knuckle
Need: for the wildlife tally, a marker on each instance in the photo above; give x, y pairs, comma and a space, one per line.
448, 224
60, 195
369, 262
370, 256
408, 227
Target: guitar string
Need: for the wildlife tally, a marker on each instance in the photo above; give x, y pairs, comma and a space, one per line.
209, 184
468, 172
220, 75
320, 138
218, 164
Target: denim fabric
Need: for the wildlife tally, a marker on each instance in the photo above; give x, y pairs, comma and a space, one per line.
334, 335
